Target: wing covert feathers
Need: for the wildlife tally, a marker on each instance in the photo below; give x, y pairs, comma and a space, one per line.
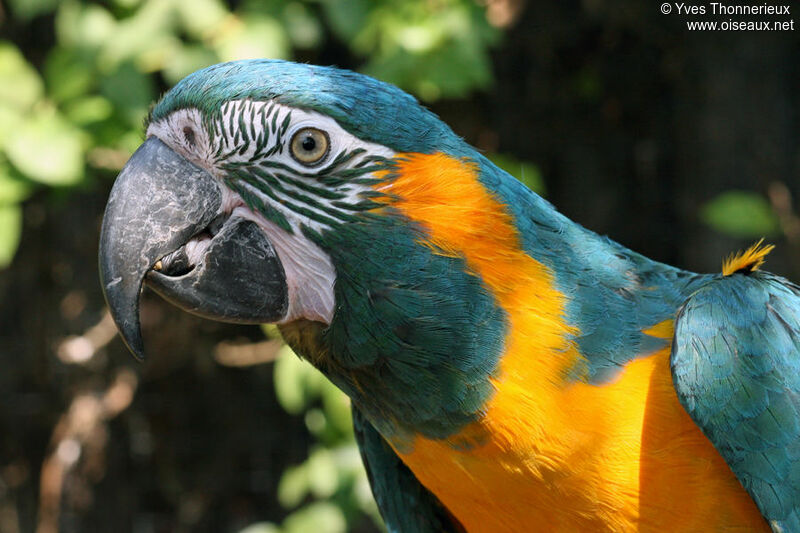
736, 369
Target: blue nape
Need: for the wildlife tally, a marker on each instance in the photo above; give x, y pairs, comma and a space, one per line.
612, 293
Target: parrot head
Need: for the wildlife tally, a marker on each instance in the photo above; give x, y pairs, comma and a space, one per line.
262, 194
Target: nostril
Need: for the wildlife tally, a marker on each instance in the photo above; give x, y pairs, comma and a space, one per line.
188, 134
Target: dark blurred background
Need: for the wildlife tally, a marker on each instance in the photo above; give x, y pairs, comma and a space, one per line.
682, 145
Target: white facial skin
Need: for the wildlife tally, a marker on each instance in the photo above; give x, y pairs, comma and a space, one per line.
310, 275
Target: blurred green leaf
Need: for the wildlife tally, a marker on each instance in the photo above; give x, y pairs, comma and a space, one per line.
10, 231
293, 486
186, 60
316, 422
524, 171
271, 331
296, 381
27, 9
323, 474
129, 141
10, 120
319, 517
337, 409
87, 110
130, 91
741, 214
147, 38
47, 148
13, 189
200, 17
20, 85
261, 527
301, 25
69, 73
362, 491
252, 37
346, 17
84, 26
127, 4
431, 49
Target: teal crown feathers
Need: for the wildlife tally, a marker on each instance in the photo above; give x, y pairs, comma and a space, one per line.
367, 108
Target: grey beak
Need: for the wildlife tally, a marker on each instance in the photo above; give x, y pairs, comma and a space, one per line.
159, 202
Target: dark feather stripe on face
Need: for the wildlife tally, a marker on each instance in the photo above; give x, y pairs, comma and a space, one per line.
246, 139
291, 190
235, 139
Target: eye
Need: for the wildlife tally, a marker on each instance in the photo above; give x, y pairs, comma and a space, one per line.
309, 146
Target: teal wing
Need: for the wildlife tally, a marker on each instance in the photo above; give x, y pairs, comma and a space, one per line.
406, 506
736, 367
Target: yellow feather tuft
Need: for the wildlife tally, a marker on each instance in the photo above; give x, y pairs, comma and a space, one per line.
747, 261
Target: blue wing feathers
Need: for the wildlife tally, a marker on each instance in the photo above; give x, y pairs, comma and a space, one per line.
735, 361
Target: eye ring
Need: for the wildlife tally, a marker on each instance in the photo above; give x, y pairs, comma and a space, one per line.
309, 146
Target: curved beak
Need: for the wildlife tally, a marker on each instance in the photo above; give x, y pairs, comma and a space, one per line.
164, 223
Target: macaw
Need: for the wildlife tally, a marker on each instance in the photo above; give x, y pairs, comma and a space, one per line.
509, 370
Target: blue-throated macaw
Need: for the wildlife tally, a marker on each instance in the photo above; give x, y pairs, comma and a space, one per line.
509, 370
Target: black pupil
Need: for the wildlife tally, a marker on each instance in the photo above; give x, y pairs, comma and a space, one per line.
309, 143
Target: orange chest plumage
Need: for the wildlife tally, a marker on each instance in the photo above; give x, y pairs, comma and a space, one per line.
550, 453
622, 457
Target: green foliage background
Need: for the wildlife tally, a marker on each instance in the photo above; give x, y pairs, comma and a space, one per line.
601, 103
